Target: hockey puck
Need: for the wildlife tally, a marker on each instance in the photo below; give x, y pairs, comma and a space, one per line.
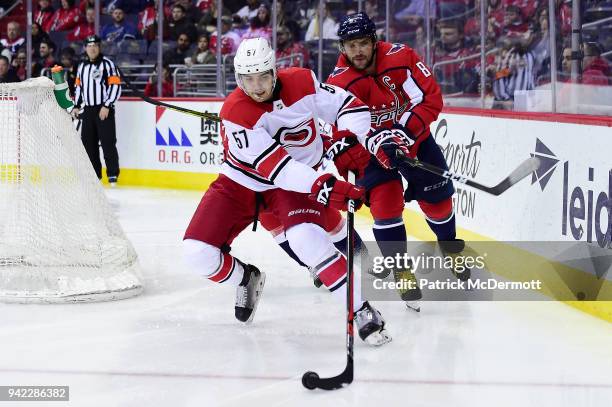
309, 380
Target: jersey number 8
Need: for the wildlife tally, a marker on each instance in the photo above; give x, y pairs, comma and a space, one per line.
424, 69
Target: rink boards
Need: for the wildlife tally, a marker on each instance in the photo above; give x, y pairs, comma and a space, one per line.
569, 199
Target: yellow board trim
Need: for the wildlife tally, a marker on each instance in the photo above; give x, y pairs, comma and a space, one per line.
416, 227
165, 179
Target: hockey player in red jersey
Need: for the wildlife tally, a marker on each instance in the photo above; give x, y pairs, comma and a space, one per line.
404, 99
272, 146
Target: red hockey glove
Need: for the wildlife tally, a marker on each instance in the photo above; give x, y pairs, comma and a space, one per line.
384, 144
330, 191
348, 154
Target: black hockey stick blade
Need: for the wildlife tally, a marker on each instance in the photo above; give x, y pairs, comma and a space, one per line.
207, 116
523, 170
311, 380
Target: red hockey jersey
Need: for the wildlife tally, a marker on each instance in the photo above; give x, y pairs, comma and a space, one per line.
403, 90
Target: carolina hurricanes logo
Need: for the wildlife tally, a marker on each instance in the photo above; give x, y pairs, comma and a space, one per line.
338, 71
300, 135
395, 49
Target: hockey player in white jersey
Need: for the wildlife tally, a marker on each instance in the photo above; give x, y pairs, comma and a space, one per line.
272, 146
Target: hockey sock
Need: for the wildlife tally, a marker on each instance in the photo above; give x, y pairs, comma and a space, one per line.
210, 262
341, 245
390, 235
445, 230
230, 271
285, 246
332, 273
440, 218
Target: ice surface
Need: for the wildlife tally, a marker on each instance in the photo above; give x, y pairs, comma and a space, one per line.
178, 344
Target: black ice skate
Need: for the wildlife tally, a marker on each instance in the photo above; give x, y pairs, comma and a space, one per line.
410, 292
371, 326
248, 293
454, 249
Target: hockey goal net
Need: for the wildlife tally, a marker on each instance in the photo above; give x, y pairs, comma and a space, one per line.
59, 240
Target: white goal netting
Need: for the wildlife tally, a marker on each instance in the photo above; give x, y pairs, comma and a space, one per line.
59, 240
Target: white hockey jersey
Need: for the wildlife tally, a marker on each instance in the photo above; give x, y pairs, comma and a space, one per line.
277, 144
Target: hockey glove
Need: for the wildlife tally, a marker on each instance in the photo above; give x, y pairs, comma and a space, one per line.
330, 191
385, 143
348, 154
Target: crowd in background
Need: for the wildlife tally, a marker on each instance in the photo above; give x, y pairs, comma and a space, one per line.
516, 40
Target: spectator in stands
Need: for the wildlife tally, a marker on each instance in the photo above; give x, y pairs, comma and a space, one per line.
566, 64
13, 40
515, 71
461, 76
595, 69
495, 22
541, 47
249, 11
203, 54
229, 39
66, 18
7, 75
147, 21
19, 64
192, 14
177, 55
150, 89
85, 4
68, 61
208, 21
119, 29
527, 8
260, 25
564, 15
44, 14
86, 28
179, 24
205, 5
46, 60
330, 26
514, 25
286, 47
38, 36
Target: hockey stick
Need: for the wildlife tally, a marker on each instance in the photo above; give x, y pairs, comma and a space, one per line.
311, 380
524, 169
152, 101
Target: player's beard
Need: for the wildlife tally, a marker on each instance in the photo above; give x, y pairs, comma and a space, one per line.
368, 64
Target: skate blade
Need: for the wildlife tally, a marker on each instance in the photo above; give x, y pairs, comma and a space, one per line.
413, 305
259, 291
378, 338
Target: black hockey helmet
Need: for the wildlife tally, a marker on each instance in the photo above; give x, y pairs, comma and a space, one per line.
356, 26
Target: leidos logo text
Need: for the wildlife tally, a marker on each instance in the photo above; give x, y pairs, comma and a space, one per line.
587, 212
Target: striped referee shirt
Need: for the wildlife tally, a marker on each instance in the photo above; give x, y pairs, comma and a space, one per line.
97, 83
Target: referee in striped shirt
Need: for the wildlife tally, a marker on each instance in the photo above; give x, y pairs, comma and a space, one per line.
97, 88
